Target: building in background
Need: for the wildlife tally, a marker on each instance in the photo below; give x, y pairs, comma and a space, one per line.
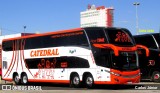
97, 16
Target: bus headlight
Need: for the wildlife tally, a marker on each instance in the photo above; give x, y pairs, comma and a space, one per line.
116, 74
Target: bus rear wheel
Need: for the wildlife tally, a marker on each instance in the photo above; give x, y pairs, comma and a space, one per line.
156, 76
89, 81
24, 79
16, 79
75, 81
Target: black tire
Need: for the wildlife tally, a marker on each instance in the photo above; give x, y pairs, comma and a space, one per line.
89, 81
156, 76
24, 79
75, 81
16, 79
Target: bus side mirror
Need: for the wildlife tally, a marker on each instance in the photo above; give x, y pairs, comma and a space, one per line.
109, 46
144, 47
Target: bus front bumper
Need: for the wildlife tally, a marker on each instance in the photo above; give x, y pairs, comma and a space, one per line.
122, 77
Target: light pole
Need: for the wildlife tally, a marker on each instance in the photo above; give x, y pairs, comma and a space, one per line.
136, 4
24, 29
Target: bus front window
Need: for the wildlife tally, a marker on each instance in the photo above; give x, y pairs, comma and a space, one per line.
119, 37
125, 61
101, 41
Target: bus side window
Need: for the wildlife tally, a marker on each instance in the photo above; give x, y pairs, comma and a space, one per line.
7, 45
76, 62
53, 64
64, 64
48, 64
147, 38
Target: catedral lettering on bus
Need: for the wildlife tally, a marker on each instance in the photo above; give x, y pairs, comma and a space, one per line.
47, 52
73, 56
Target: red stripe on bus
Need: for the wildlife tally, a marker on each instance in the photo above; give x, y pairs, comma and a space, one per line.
13, 54
24, 59
7, 79
116, 49
44, 34
17, 44
47, 81
21, 48
144, 47
92, 58
14, 59
124, 78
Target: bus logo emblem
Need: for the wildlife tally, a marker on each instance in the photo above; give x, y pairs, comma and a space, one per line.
71, 51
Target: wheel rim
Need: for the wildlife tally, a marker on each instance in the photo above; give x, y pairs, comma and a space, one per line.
24, 79
76, 80
156, 76
89, 81
16, 79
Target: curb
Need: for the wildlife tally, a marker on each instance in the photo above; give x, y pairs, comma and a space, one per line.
5, 82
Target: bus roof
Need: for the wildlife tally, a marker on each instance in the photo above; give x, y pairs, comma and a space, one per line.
41, 34
58, 32
13, 36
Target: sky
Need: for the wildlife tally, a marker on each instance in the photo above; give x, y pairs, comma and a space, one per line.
52, 15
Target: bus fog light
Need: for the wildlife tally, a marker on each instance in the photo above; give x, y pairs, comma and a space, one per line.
117, 80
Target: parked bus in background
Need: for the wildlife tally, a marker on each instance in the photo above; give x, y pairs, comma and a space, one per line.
150, 66
93, 55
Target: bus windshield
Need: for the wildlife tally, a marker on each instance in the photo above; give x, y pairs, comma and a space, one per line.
125, 60
105, 57
119, 37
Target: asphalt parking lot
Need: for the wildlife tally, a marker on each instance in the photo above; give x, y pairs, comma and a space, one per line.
142, 87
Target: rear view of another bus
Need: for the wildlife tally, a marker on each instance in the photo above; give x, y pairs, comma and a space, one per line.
115, 52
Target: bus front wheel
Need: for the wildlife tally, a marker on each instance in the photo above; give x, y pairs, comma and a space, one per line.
156, 76
24, 79
75, 81
89, 81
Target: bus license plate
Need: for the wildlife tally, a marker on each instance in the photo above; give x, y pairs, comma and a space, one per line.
129, 82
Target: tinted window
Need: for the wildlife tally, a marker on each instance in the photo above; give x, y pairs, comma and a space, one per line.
125, 61
146, 40
64, 39
157, 37
59, 62
103, 57
7, 46
12, 45
96, 36
32, 43
119, 37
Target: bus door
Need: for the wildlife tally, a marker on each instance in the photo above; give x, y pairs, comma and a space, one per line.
61, 65
103, 59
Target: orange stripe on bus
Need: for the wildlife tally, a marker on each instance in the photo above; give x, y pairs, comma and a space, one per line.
144, 47
44, 34
13, 56
7, 79
116, 49
17, 55
25, 60
21, 48
124, 78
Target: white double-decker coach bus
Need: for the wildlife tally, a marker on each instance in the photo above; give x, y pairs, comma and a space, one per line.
94, 55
